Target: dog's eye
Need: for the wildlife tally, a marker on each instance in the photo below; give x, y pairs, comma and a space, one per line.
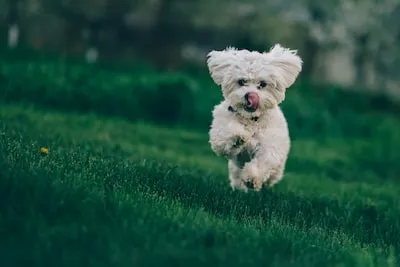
263, 84
241, 82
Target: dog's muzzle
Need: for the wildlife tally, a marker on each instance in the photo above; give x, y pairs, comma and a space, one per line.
252, 101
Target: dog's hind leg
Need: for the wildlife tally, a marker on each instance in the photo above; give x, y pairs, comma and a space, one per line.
266, 167
275, 177
251, 175
235, 177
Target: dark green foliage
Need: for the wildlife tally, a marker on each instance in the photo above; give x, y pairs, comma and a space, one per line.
176, 98
158, 97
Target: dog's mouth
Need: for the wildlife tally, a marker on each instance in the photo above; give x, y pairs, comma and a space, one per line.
252, 101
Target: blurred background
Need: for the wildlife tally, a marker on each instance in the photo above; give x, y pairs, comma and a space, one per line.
348, 42
146, 59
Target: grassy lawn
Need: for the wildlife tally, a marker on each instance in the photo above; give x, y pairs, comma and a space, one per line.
112, 192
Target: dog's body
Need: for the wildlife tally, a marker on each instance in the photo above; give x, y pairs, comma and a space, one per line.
248, 127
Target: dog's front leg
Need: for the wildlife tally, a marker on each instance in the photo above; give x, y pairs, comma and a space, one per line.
235, 178
227, 138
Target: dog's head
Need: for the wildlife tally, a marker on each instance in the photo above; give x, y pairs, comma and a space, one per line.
253, 82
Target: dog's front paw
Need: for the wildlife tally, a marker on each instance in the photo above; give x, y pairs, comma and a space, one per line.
236, 145
238, 141
230, 146
240, 138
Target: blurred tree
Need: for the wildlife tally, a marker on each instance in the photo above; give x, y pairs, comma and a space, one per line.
341, 41
365, 32
10, 15
169, 32
88, 20
169, 26
254, 24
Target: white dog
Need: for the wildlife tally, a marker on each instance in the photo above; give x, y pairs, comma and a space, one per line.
248, 127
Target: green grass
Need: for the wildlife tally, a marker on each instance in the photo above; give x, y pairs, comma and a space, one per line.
112, 192
131, 181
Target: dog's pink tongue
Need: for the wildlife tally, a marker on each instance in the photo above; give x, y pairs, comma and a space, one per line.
252, 100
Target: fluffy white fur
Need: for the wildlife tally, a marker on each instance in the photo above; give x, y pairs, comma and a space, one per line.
256, 150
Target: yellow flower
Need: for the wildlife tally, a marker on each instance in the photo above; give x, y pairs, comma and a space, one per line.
44, 151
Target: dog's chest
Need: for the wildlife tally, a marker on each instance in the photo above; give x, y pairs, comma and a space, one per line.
255, 128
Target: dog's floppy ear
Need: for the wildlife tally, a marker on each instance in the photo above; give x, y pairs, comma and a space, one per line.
288, 64
219, 61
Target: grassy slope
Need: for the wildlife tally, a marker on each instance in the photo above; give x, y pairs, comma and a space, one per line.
115, 193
